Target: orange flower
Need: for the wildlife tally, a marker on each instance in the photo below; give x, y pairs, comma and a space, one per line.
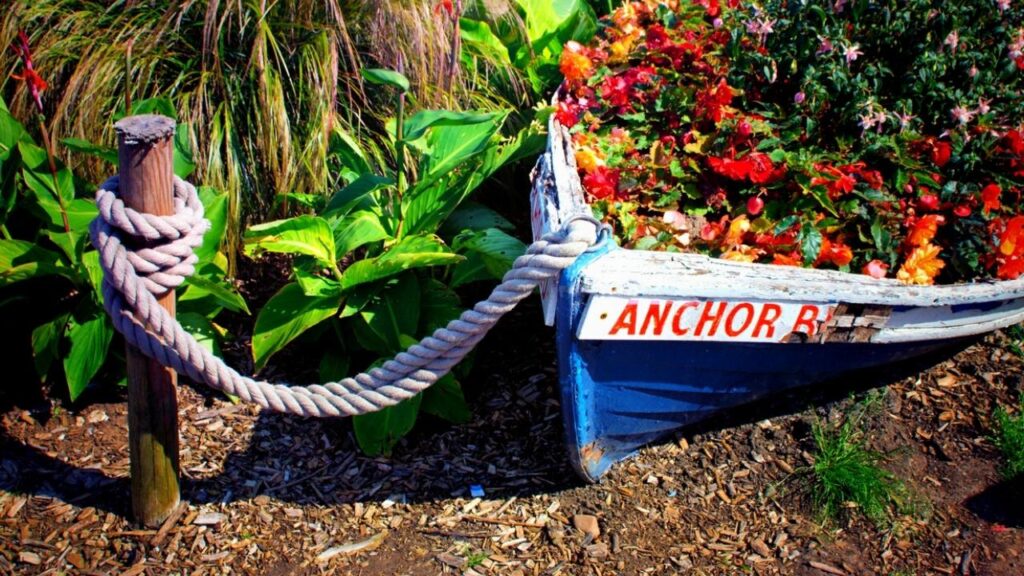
924, 229
740, 254
791, 259
574, 64
737, 229
1009, 239
587, 159
922, 266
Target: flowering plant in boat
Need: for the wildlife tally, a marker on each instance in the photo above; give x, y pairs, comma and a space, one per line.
880, 137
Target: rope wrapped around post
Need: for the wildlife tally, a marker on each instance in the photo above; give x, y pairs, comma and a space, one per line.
133, 279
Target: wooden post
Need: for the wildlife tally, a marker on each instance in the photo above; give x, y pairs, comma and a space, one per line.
145, 147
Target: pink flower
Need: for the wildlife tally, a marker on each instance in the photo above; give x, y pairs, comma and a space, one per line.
952, 40
983, 106
851, 52
825, 47
799, 97
1003, 5
962, 115
838, 6
876, 269
904, 119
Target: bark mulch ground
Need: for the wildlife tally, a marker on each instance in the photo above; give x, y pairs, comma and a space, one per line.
268, 494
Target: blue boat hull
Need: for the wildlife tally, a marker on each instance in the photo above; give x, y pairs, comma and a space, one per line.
619, 395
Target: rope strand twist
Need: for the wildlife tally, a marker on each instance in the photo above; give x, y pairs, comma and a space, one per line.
134, 277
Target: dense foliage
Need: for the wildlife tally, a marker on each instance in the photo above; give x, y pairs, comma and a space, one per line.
869, 135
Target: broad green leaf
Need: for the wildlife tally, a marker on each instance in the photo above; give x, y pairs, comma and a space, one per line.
45, 344
315, 285
215, 209
334, 363
451, 145
41, 184
309, 235
223, 293
378, 432
495, 249
157, 105
410, 252
184, 164
11, 131
477, 37
284, 317
94, 272
473, 216
417, 124
350, 196
81, 213
202, 330
439, 306
20, 260
89, 343
393, 313
108, 155
445, 400
385, 77
810, 243
348, 152
358, 230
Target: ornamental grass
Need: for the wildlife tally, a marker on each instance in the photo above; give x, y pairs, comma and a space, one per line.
879, 137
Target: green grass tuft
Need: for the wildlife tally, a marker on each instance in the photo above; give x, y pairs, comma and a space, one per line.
1009, 438
847, 475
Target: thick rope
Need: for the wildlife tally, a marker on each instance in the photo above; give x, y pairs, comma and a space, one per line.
133, 279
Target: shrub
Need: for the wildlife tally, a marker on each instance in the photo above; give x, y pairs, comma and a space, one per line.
1009, 439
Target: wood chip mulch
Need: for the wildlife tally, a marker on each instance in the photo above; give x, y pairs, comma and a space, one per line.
269, 494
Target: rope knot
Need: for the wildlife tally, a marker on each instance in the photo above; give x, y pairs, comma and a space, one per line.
161, 249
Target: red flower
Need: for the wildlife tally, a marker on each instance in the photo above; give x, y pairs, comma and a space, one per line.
567, 113
924, 229
834, 252
928, 202
711, 101
602, 183
762, 170
990, 197
732, 169
446, 5
33, 80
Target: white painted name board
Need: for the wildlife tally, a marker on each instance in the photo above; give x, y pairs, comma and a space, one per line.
633, 318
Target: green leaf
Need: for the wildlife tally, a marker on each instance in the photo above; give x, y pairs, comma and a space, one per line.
89, 343
157, 105
418, 124
478, 38
378, 432
220, 290
496, 249
347, 151
473, 216
394, 313
385, 77
810, 243
410, 252
41, 184
94, 272
350, 196
333, 365
202, 330
215, 209
11, 131
315, 285
285, 316
309, 235
108, 155
20, 260
357, 230
184, 164
45, 344
439, 306
445, 400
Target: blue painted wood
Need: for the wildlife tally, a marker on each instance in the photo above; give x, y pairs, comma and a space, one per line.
618, 396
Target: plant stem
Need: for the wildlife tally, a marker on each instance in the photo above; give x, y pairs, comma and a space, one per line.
396, 211
53, 173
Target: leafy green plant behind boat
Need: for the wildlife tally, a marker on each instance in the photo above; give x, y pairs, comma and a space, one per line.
371, 272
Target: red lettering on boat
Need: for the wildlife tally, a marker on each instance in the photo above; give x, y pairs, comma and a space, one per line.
626, 321
770, 313
805, 319
677, 326
706, 317
655, 315
730, 321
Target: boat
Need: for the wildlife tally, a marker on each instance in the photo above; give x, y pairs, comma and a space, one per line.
651, 342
